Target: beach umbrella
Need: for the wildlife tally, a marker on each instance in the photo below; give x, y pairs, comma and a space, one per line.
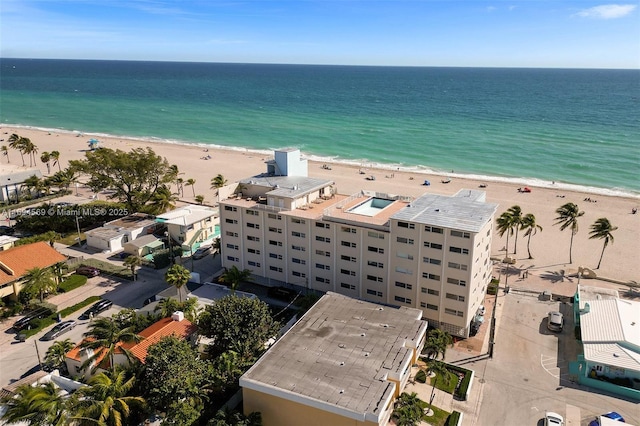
93, 143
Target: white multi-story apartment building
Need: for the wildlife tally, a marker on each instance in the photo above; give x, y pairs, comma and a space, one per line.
430, 253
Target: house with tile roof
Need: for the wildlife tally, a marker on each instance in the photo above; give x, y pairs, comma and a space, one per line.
176, 326
16, 261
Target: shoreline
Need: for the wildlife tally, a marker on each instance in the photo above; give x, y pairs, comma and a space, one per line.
418, 170
549, 247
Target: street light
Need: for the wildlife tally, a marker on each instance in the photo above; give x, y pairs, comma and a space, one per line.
78, 226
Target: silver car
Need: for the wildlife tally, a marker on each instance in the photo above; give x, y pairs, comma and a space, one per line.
59, 329
555, 321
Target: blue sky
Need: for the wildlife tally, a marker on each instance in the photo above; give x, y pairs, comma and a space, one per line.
500, 33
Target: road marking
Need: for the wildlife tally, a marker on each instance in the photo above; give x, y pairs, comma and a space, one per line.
549, 363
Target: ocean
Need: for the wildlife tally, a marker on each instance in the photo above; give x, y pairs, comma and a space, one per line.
577, 128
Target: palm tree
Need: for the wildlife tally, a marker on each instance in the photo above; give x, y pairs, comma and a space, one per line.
529, 224
5, 152
602, 229
166, 307
515, 212
177, 276
29, 148
192, 182
45, 157
218, 182
440, 370
234, 277
42, 405
180, 184
105, 401
437, 343
40, 281
568, 215
33, 184
15, 142
199, 199
504, 226
216, 246
55, 356
104, 336
55, 156
132, 262
58, 270
163, 200
408, 409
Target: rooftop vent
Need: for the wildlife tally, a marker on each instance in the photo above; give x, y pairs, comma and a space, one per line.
341, 390
341, 363
362, 334
342, 345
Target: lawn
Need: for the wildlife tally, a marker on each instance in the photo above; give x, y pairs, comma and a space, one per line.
439, 417
444, 385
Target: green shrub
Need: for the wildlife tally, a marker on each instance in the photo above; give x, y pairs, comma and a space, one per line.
421, 376
492, 288
73, 282
461, 391
36, 304
71, 309
38, 324
453, 419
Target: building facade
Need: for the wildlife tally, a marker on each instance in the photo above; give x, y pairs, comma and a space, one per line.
190, 226
430, 253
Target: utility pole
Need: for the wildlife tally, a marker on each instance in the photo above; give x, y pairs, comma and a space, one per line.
38, 354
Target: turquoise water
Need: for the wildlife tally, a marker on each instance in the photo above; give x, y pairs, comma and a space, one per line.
574, 127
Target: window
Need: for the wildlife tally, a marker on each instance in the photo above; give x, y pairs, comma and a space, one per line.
348, 286
455, 297
376, 249
407, 225
296, 220
252, 238
402, 300
432, 307
323, 280
253, 225
453, 312
431, 260
298, 248
348, 258
460, 266
403, 285
460, 234
275, 243
433, 229
454, 281
233, 259
404, 240
299, 261
323, 239
232, 246
404, 256
252, 213
231, 234
274, 216
348, 229
430, 291
453, 249
374, 278
230, 209
298, 274
275, 256
323, 253
252, 263
323, 225
431, 276
348, 244
298, 234
233, 221
404, 270
254, 251
374, 234
348, 272
374, 292
322, 266
433, 245
375, 264
275, 268
276, 230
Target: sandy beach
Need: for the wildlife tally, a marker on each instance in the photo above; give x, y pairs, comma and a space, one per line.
550, 247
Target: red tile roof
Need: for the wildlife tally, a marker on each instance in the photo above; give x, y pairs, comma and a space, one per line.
15, 262
155, 332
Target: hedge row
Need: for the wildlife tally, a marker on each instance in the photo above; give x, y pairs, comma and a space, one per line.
73, 282
71, 309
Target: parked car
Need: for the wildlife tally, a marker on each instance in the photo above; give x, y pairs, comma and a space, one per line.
25, 322
88, 271
99, 306
553, 419
555, 321
610, 415
59, 329
481, 310
7, 230
202, 252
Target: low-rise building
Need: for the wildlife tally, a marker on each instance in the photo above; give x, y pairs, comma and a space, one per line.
191, 226
112, 236
343, 363
17, 261
12, 180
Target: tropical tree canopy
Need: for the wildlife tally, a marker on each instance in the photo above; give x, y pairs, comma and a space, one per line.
531, 227
55, 355
42, 405
568, 215
177, 276
237, 323
134, 176
103, 337
602, 229
39, 281
234, 276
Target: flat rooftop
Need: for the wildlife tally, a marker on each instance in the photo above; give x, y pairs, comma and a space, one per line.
338, 356
287, 186
133, 221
